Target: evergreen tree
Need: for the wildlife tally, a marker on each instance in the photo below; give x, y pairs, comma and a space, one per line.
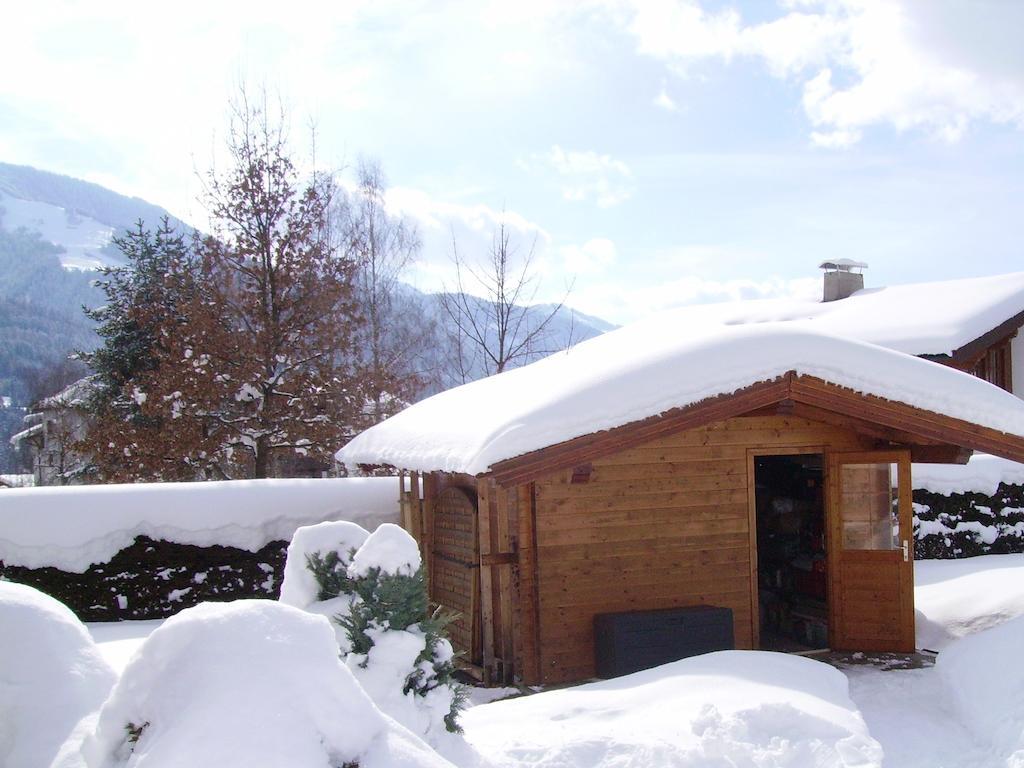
145, 301
140, 297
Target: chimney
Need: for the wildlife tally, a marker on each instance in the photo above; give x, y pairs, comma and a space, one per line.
841, 279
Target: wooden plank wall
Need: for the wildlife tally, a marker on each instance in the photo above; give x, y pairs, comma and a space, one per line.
663, 525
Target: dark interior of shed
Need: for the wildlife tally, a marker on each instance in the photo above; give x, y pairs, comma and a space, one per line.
791, 552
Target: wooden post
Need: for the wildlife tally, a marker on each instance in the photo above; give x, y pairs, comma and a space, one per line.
527, 619
486, 586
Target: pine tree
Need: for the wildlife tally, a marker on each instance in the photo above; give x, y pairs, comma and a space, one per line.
145, 299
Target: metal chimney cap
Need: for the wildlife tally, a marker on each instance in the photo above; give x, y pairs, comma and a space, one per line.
842, 265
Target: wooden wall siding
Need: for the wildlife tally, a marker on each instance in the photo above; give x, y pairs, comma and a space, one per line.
435, 485
455, 566
662, 525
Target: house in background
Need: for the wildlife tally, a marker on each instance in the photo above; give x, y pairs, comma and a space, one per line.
737, 456
54, 425
970, 324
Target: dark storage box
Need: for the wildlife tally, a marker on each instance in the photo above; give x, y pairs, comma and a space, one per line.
629, 642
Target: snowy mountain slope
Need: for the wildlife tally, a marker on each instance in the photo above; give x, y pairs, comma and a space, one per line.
76, 215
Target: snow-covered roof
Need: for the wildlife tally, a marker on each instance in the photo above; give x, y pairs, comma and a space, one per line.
935, 318
646, 369
73, 395
25, 434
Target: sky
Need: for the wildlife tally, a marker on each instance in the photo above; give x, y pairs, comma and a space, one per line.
650, 153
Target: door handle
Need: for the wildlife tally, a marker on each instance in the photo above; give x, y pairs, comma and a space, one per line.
906, 551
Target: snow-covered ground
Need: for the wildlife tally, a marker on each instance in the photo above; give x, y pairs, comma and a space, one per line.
753, 708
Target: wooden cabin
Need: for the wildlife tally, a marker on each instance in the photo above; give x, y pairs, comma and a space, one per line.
786, 500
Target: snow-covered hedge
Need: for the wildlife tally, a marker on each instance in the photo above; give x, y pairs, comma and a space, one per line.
968, 510
150, 550
248, 683
51, 676
73, 527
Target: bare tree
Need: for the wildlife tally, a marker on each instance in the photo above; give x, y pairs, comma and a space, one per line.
395, 331
498, 330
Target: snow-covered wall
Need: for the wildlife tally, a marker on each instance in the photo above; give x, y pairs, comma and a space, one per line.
149, 550
73, 527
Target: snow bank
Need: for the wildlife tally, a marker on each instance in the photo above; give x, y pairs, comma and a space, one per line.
729, 708
51, 676
389, 549
648, 368
955, 598
299, 587
984, 676
982, 474
73, 527
249, 683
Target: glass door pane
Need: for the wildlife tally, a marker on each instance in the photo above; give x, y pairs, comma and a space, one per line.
869, 506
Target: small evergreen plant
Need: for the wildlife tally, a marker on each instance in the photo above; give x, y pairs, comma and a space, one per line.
394, 601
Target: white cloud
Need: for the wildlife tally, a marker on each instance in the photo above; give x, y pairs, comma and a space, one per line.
932, 65
594, 256
664, 101
587, 175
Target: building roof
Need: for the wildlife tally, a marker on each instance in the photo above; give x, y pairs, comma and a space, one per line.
936, 318
653, 367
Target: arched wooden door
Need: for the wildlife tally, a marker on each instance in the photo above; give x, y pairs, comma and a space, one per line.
455, 568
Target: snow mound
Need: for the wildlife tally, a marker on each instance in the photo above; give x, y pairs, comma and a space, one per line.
730, 708
956, 598
981, 474
73, 527
299, 587
249, 683
390, 549
51, 676
646, 369
984, 676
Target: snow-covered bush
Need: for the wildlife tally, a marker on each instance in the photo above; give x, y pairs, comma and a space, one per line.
51, 676
248, 683
984, 675
396, 651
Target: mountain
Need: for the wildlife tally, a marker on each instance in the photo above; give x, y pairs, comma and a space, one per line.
78, 216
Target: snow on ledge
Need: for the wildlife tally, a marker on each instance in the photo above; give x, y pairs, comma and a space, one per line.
73, 527
982, 474
646, 369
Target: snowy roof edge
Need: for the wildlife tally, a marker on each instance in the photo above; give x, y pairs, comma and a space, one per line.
623, 377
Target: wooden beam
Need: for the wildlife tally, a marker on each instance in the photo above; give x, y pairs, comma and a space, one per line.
580, 450
938, 427
939, 454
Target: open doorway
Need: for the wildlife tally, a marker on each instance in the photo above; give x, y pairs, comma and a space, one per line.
791, 552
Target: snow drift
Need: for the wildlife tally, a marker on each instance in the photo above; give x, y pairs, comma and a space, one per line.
956, 598
721, 709
249, 683
74, 527
984, 676
51, 676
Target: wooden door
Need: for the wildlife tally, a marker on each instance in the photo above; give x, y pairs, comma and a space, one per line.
455, 568
871, 553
